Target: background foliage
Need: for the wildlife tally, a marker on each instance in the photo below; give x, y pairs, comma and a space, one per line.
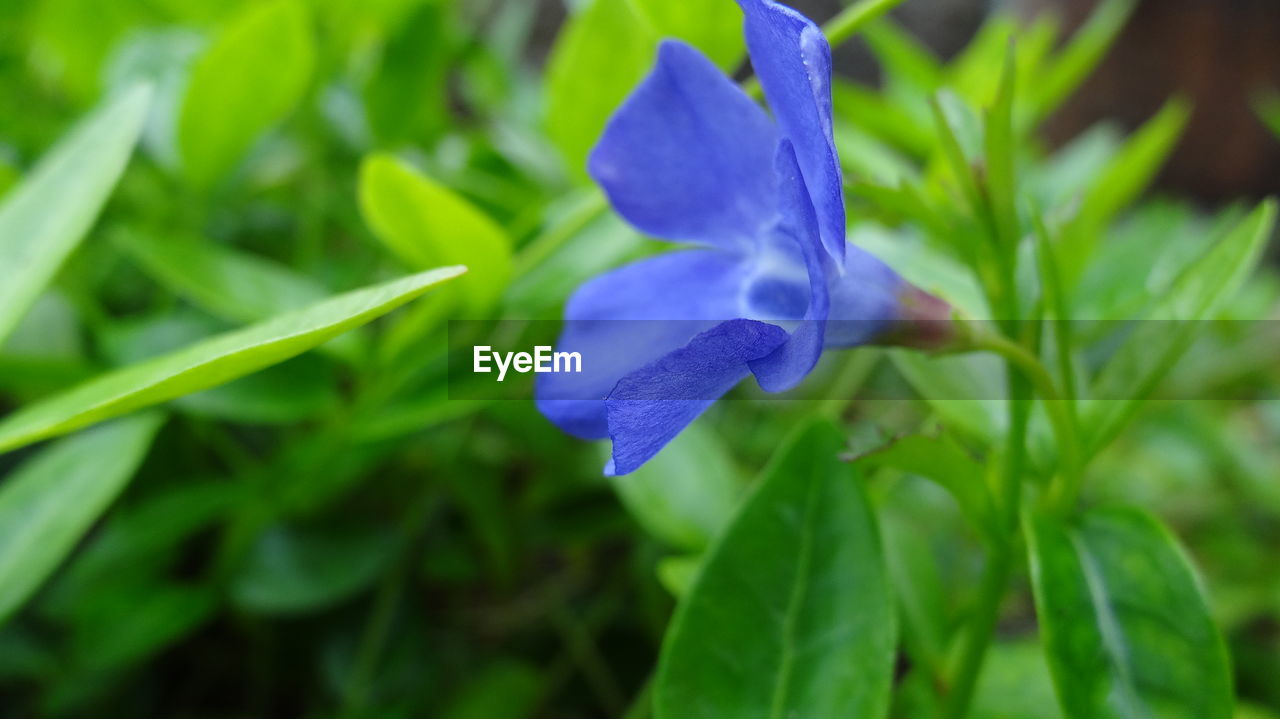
194, 194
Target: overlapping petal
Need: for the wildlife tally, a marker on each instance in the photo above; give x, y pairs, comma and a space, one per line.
652, 405
630, 317
792, 59
786, 366
689, 155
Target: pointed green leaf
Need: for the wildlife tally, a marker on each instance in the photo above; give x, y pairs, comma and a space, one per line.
943, 461
1125, 178
229, 284
44, 218
908, 65
254, 75
686, 494
49, 502
211, 362
1150, 352
800, 566
601, 54
1125, 626
1000, 141
426, 225
1065, 73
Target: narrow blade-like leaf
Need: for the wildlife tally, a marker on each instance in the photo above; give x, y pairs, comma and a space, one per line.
43, 219
211, 362
48, 504
233, 285
1150, 352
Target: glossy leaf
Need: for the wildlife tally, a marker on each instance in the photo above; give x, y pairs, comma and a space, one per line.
44, 218
801, 567
1126, 628
426, 224
685, 494
211, 362
49, 502
252, 76
601, 54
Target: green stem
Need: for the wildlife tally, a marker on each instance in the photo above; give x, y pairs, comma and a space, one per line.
1061, 414
855, 17
981, 629
591, 206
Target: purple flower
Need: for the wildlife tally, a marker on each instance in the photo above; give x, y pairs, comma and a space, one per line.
770, 282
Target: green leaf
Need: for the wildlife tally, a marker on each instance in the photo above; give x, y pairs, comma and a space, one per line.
800, 568
1125, 178
1153, 348
601, 54
1267, 106
229, 284
291, 571
44, 218
49, 503
908, 66
872, 112
1001, 176
685, 494
918, 588
252, 77
1125, 626
505, 690
426, 224
129, 622
964, 390
1065, 73
138, 539
406, 97
943, 461
1015, 684
289, 392
712, 26
677, 573
211, 362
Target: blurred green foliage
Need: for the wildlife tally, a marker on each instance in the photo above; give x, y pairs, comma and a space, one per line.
334, 537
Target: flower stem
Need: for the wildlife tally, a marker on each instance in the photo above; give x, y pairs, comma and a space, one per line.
1061, 411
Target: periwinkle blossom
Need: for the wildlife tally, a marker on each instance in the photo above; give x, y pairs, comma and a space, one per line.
770, 282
